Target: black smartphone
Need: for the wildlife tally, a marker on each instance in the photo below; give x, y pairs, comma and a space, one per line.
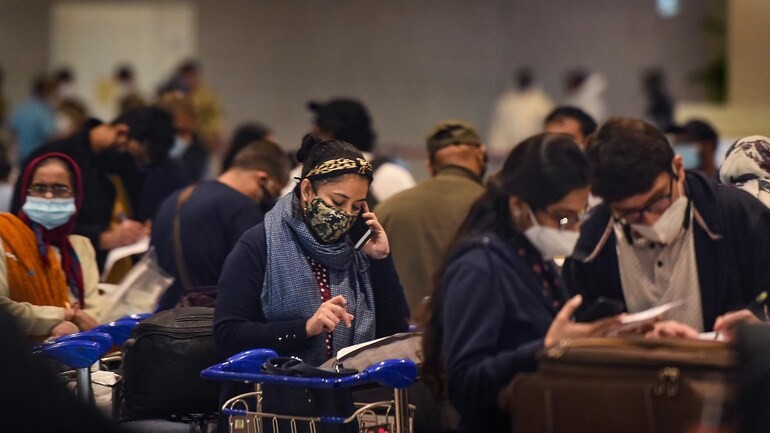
359, 233
600, 309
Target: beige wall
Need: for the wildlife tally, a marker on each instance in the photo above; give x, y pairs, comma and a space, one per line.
749, 52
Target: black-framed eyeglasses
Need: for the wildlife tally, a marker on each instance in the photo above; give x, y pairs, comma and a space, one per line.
57, 190
656, 206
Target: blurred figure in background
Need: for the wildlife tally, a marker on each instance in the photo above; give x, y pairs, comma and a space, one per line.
34, 121
64, 81
71, 114
747, 166
421, 221
660, 106
349, 120
208, 110
6, 186
3, 102
697, 141
127, 91
187, 146
243, 136
518, 113
571, 121
585, 90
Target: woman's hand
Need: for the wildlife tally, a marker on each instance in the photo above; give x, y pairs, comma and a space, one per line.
79, 318
726, 324
377, 247
328, 316
672, 328
64, 328
563, 327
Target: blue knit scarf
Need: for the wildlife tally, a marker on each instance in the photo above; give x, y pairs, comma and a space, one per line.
290, 290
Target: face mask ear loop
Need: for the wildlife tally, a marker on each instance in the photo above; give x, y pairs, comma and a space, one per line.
532, 216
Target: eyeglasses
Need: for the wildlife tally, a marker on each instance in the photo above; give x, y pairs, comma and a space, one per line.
57, 190
657, 207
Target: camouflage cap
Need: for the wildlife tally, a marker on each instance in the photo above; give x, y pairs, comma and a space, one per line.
449, 132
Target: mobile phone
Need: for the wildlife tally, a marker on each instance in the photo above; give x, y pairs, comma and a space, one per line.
360, 233
600, 309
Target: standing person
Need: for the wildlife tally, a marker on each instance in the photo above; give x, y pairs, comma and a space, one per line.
660, 105
128, 95
697, 142
421, 221
571, 121
244, 135
214, 214
585, 90
518, 113
188, 147
34, 122
6, 185
48, 276
348, 120
499, 299
208, 109
664, 234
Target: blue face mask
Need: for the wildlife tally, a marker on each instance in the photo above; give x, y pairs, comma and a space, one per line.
690, 154
50, 213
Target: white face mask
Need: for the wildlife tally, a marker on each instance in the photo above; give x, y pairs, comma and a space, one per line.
549, 241
668, 226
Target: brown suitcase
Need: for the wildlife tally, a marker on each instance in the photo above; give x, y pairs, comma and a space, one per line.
629, 385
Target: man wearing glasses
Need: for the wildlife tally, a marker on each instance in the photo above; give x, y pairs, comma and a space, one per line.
663, 234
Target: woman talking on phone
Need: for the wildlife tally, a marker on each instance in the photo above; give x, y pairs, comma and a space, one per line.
295, 283
499, 299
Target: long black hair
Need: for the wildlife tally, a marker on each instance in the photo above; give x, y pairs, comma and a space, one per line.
541, 170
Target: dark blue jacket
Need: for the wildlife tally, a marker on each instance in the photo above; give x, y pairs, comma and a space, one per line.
494, 318
732, 248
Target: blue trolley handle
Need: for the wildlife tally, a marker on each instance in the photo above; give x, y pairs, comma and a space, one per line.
79, 351
246, 367
120, 329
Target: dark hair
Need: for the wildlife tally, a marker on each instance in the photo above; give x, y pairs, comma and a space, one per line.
541, 170
124, 72
64, 75
153, 127
315, 151
701, 131
266, 156
587, 123
347, 120
523, 78
245, 134
5, 162
189, 66
42, 85
627, 155
575, 78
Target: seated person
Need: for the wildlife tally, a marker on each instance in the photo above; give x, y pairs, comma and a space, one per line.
295, 284
499, 299
665, 234
48, 276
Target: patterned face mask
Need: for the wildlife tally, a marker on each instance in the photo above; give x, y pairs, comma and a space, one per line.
327, 222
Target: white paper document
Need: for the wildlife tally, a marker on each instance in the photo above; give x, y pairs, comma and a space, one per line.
635, 320
116, 254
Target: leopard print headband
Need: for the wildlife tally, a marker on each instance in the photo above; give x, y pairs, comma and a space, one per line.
358, 165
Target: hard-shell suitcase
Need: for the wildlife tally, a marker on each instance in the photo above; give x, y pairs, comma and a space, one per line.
629, 385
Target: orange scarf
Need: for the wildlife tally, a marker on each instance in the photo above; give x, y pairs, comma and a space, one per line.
29, 279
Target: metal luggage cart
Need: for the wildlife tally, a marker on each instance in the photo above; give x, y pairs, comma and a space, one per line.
396, 414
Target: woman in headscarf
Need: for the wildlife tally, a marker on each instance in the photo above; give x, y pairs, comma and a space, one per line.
48, 276
747, 166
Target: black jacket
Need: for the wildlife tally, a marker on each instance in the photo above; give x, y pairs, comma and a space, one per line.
98, 191
494, 318
732, 248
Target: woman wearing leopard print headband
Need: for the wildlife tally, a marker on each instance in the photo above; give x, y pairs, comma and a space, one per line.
295, 283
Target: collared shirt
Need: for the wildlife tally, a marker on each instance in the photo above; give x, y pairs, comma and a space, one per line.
653, 274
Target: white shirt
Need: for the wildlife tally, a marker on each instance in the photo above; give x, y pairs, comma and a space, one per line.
518, 115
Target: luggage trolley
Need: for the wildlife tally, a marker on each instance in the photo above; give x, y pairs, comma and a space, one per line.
246, 367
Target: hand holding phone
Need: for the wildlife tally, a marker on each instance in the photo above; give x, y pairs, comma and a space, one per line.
600, 309
360, 233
